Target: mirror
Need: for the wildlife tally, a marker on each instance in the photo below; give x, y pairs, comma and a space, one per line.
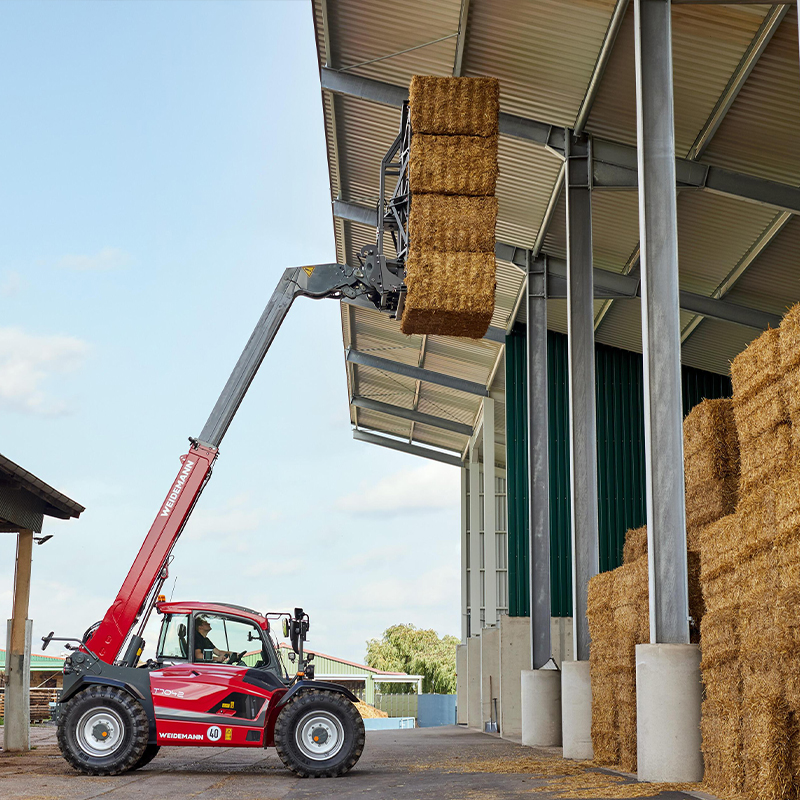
253, 637
285, 627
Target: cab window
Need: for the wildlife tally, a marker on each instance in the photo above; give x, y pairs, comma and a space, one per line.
216, 636
174, 639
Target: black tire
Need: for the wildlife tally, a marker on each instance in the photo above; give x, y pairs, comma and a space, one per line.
94, 714
329, 716
150, 752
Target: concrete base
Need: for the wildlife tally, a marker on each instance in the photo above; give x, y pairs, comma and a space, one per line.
490, 675
474, 683
462, 685
561, 639
515, 656
541, 707
576, 710
668, 698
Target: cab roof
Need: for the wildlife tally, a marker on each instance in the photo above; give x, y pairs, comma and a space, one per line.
188, 606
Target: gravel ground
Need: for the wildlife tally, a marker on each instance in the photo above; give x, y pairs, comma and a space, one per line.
448, 763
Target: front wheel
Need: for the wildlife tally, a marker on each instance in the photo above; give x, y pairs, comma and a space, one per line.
103, 731
319, 734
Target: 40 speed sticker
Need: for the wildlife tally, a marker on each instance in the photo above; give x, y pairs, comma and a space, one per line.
214, 733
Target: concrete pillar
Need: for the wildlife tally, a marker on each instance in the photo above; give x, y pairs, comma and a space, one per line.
474, 683
489, 516
462, 685
515, 656
16, 724
490, 675
464, 555
541, 707
668, 696
582, 419
538, 463
576, 710
475, 549
661, 350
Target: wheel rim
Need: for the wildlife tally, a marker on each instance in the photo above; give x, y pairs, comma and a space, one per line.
319, 735
100, 732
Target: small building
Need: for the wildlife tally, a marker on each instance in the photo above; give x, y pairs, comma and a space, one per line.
46, 672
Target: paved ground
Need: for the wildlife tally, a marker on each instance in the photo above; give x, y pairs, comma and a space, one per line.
447, 763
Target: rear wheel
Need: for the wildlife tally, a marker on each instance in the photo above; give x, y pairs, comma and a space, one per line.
319, 734
103, 731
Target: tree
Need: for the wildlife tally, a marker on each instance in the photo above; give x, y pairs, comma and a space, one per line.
404, 648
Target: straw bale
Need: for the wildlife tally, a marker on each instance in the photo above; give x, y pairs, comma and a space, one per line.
788, 560
710, 441
720, 546
758, 365
787, 505
765, 458
724, 591
451, 294
697, 607
719, 638
757, 509
791, 390
790, 338
760, 412
635, 544
453, 223
454, 106
464, 165
759, 634
709, 500
768, 737
722, 751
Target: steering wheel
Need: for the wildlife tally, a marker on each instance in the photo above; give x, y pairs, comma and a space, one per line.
235, 658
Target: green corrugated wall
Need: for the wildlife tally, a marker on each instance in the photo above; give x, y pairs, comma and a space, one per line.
620, 458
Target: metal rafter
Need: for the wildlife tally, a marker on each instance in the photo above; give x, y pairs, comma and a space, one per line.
463, 18
369, 404
405, 447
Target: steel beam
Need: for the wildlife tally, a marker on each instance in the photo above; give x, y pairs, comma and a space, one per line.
405, 447
615, 163
538, 463
464, 560
475, 583
411, 415
409, 371
489, 516
607, 284
582, 420
658, 235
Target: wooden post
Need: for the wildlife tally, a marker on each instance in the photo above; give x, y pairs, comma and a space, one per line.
17, 700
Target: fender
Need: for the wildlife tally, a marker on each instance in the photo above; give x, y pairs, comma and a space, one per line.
82, 682
281, 698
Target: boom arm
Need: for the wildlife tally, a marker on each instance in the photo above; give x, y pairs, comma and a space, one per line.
139, 591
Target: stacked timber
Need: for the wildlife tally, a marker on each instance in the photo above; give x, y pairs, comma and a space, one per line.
450, 269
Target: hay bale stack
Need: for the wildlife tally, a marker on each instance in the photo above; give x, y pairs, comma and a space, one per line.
635, 544
450, 270
760, 411
790, 366
711, 465
600, 614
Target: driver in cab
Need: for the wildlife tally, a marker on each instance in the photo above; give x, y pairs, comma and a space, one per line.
202, 644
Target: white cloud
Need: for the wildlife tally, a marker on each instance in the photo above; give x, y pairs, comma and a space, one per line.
27, 361
109, 258
428, 487
235, 517
10, 283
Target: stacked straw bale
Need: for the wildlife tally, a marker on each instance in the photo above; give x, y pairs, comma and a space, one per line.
750, 574
618, 607
450, 270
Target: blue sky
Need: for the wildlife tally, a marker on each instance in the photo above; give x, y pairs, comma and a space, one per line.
162, 164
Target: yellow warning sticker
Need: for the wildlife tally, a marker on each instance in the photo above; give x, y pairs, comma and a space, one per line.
309, 270
228, 734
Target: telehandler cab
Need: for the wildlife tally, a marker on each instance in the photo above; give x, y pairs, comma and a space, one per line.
114, 714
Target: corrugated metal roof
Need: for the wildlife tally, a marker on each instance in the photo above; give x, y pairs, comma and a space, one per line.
544, 53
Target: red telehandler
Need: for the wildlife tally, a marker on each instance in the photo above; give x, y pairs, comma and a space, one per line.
115, 714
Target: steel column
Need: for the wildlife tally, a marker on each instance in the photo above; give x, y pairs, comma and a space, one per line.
489, 520
658, 235
464, 560
474, 542
582, 421
538, 463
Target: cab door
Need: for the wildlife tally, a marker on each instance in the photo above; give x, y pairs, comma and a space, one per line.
201, 699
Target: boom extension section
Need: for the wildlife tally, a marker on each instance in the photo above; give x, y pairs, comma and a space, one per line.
139, 592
